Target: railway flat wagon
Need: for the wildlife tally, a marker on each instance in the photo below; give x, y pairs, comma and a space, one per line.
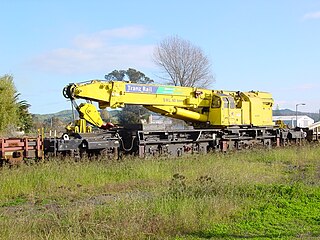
16, 150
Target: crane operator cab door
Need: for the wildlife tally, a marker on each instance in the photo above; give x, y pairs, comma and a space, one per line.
223, 111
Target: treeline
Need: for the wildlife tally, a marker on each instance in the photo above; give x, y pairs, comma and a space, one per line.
14, 113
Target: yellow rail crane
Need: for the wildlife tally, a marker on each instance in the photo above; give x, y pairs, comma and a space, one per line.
201, 107
220, 119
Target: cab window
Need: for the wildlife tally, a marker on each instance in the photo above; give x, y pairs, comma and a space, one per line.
216, 102
232, 103
225, 103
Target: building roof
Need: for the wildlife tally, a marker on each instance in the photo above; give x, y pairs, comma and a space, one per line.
289, 118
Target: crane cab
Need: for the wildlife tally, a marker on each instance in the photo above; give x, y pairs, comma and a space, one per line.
223, 110
240, 108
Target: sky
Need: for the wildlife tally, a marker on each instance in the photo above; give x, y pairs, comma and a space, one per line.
264, 45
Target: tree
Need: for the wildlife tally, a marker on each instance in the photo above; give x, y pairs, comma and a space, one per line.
133, 113
8, 108
104, 115
14, 114
138, 77
184, 64
131, 74
116, 75
25, 122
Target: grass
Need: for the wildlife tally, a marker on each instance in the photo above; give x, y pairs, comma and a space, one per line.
257, 194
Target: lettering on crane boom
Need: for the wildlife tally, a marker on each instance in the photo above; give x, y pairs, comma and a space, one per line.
172, 100
136, 88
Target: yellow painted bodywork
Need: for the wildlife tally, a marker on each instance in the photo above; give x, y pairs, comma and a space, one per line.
79, 126
215, 108
90, 113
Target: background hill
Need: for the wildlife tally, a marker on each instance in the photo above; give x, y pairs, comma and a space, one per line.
288, 112
64, 116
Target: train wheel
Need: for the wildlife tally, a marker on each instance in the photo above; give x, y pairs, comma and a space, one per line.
110, 153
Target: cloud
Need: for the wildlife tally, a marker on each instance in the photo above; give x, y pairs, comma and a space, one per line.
306, 86
312, 15
100, 51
